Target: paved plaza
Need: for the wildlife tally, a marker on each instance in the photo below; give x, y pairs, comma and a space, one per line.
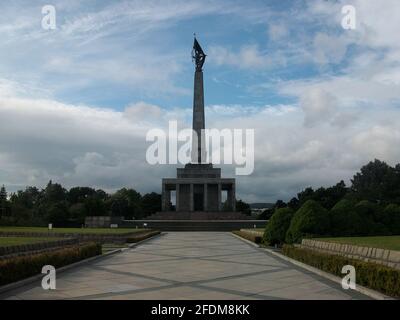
189, 265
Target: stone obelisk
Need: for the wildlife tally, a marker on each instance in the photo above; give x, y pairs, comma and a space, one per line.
198, 141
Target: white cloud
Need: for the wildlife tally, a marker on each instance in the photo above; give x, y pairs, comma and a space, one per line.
247, 57
318, 105
277, 31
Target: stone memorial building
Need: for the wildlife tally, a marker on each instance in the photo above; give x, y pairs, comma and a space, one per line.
198, 186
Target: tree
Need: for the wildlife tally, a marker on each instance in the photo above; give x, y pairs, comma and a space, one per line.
310, 220
377, 182
57, 214
79, 194
243, 207
327, 197
372, 218
294, 204
126, 203
151, 203
277, 226
77, 212
54, 192
266, 214
345, 221
391, 218
3, 202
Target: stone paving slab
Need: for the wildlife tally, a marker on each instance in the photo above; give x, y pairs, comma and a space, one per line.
189, 265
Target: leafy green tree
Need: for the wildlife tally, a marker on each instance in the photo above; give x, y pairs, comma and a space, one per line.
151, 203
57, 214
54, 192
327, 197
345, 221
266, 214
392, 218
377, 182
3, 202
126, 203
80, 194
78, 213
294, 204
372, 218
280, 204
243, 207
275, 231
310, 220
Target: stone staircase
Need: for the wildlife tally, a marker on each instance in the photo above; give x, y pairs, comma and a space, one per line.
198, 215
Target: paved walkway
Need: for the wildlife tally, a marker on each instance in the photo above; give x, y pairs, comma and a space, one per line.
189, 265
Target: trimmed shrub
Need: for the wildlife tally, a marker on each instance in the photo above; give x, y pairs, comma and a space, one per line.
345, 221
277, 226
249, 236
391, 218
17, 268
372, 218
141, 236
368, 274
311, 220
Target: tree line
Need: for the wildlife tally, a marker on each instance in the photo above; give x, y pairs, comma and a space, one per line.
370, 206
62, 207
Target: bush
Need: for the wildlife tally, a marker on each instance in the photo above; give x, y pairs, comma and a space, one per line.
249, 236
277, 226
345, 221
309, 221
17, 268
372, 219
392, 218
368, 274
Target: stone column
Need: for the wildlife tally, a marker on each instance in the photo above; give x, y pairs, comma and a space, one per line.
191, 197
163, 198
205, 204
232, 198
219, 197
198, 145
177, 197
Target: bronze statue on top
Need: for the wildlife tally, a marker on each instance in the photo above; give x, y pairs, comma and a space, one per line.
198, 55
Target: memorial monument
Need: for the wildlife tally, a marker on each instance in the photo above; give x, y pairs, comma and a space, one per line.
198, 186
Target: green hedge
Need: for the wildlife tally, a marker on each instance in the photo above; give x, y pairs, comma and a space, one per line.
142, 236
248, 236
310, 220
277, 227
17, 268
368, 274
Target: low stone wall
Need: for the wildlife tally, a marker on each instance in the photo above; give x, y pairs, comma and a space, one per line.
389, 258
81, 237
34, 247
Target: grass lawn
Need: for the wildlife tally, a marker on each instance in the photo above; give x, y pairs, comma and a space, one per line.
389, 242
70, 230
15, 241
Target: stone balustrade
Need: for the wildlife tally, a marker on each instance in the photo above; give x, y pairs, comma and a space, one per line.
385, 257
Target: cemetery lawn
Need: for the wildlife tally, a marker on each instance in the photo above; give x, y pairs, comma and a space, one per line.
386, 242
108, 231
16, 241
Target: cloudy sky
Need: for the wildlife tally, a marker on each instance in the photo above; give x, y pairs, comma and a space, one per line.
76, 102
